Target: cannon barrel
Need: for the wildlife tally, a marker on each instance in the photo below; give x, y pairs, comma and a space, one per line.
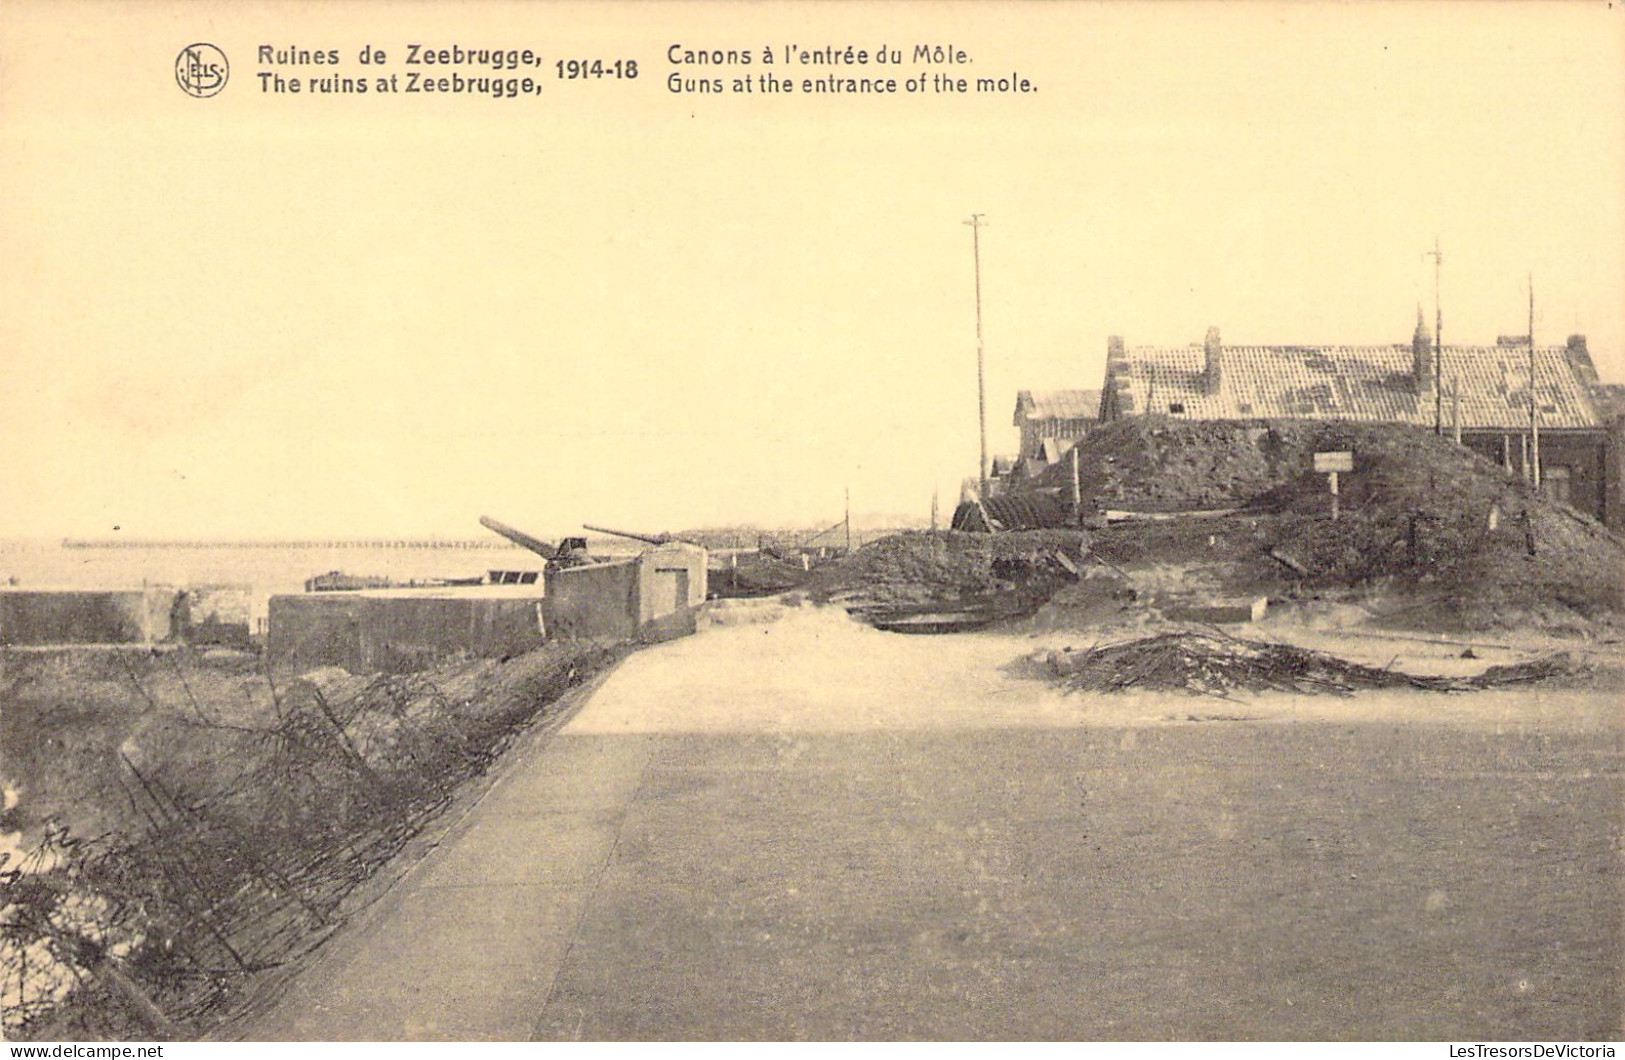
518, 537
651, 539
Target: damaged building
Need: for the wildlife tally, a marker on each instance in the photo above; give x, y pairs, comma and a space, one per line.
1480, 394
1051, 422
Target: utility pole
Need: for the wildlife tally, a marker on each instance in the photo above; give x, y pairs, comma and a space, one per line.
976, 224
1438, 339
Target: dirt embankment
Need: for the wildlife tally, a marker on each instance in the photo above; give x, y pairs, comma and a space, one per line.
1428, 532
920, 571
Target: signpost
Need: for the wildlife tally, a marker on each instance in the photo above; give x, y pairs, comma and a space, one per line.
1331, 465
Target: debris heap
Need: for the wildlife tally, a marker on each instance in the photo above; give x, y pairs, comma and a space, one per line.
1448, 530
1200, 663
996, 574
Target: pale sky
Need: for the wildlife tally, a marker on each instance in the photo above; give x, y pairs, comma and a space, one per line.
254, 315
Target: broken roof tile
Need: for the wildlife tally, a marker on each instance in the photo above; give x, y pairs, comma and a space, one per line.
1369, 383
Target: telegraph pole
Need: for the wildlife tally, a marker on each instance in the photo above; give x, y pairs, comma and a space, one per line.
1438, 340
976, 224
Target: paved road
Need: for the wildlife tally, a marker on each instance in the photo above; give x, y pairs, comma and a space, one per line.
814, 830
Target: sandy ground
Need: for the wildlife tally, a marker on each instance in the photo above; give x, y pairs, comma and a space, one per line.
810, 829
817, 670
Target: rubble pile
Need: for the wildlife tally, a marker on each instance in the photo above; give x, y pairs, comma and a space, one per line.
1456, 534
1577, 569
760, 574
1152, 464
1199, 663
1457, 531
921, 571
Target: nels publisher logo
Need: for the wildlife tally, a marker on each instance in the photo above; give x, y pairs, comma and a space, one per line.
201, 70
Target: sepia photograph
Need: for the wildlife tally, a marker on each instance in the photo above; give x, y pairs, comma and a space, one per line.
789, 521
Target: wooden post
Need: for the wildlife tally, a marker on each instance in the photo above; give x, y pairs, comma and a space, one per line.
1455, 408
1534, 452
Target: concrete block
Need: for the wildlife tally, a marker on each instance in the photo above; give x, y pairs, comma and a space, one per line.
1220, 612
401, 630
85, 616
671, 578
595, 601
654, 596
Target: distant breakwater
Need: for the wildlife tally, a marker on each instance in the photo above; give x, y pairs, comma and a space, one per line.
436, 543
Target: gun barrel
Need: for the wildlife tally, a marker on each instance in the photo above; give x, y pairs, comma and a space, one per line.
518, 537
652, 539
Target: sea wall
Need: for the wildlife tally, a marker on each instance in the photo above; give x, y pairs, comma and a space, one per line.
654, 596
84, 616
399, 631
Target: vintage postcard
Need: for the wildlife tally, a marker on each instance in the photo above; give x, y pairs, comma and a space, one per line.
791, 521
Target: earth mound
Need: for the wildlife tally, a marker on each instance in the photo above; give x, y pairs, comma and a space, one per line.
1456, 536
921, 571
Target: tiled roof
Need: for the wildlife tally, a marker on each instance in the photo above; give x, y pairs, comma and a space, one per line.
1056, 405
1369, 383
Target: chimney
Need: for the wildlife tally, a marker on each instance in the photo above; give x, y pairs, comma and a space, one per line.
1213, 357
1421, 355
1580, 358
1116, 365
